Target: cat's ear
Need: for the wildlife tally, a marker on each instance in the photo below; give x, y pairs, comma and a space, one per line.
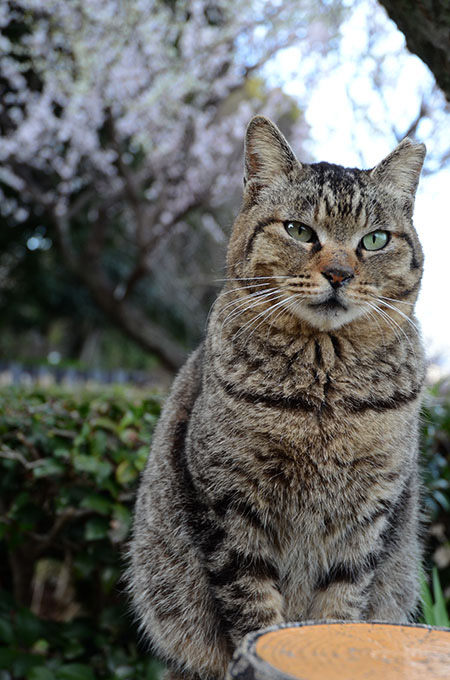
267, 153
400, 170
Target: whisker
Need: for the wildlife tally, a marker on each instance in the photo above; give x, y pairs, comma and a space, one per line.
411, 323
252, 320
265, 313
392, 323
234, 314
251, 296
387, 319
273, 297
401, 302
270, 311
255, 278
374, 317
241, 308
239, 300
238, 288
389, 322
289, 306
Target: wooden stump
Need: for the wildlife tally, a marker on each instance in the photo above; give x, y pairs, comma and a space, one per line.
344, 651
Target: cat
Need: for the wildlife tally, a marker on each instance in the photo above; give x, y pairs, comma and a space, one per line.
282, 483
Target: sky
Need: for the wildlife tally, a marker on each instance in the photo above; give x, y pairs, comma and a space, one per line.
355, 124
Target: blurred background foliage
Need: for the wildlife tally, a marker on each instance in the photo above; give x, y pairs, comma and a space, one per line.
68, 470
121, 152
120, 175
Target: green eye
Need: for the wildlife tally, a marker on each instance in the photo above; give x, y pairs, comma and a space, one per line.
301, 232
375, 240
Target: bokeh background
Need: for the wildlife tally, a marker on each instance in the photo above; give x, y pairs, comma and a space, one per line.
121, 141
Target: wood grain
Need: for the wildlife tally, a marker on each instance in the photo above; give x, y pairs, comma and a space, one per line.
346, 651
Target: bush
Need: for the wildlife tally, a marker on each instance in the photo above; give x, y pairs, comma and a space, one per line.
69, 466
436, 464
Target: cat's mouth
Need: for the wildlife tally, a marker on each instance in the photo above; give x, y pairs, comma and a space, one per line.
330, 312
331, 304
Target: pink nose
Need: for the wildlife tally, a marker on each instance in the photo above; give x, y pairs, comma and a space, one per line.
338, 276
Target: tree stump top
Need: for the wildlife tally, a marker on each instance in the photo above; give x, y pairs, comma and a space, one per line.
344, 651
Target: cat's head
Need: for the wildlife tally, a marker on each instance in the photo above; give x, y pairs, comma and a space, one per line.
332, 242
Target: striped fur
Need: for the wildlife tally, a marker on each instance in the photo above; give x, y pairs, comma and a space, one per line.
283, 481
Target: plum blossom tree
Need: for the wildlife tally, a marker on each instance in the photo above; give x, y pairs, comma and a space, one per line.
120, 120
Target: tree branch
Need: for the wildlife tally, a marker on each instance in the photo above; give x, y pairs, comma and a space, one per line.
426, 27
44, 541
423, 112
121, 312
135, 323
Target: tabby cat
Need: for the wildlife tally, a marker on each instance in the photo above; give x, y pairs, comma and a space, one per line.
282, 483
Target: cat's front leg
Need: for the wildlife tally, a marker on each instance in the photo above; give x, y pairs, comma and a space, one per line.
247, 594
342, 593
376, 579
244, 576
394, 593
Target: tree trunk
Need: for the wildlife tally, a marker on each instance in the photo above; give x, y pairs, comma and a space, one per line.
338, 650
126, 316
22, 563
426, 26
134, 322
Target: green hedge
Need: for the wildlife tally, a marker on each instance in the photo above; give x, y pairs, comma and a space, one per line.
69, 465
68, 472
436, 476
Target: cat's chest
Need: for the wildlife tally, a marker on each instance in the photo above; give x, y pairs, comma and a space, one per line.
291, 367
312, 428
320, 375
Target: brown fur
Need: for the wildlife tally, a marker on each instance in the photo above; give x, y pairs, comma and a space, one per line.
282, 482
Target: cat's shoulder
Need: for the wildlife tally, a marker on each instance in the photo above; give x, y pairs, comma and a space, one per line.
187, 384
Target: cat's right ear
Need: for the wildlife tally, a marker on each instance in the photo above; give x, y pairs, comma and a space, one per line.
400, 170
267, 154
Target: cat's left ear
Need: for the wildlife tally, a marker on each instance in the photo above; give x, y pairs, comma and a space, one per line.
400, 170
267, 153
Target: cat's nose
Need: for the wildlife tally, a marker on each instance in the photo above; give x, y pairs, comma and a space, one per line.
338, 276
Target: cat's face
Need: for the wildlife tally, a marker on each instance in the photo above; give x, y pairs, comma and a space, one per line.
327, 244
